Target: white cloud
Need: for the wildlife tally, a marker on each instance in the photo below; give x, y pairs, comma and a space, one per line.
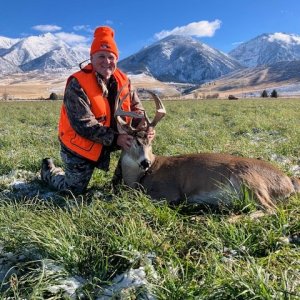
287, 38
237, 43
199, 29
71, 38
86, 28
46, 28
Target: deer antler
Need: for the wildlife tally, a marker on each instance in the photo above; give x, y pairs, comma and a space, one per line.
160, 109
119, 113
123, 127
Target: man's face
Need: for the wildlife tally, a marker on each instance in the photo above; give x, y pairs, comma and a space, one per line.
104, 63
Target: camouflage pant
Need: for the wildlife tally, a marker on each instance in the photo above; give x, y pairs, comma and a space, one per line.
117, 177
74, 178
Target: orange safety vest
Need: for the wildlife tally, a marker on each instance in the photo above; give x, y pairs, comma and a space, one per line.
99, 107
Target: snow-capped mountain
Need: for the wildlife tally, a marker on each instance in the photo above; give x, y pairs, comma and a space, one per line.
61, 57
180, 59
267, 49
41, 52
6, 43
173, 59
6, 65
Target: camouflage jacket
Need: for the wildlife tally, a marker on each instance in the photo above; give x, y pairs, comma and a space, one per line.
83, 121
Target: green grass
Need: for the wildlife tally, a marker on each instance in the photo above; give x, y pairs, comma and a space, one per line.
196, 253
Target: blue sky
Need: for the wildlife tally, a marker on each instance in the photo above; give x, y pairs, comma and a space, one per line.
222, 24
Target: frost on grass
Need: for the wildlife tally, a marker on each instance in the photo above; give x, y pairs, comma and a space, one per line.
133, 282
286, 163
273, 137
29, 263
257, 135
21, 183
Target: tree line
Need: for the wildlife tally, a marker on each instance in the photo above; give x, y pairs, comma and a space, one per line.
265, 94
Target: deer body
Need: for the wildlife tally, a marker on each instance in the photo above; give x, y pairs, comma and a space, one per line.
207, 177
199, 178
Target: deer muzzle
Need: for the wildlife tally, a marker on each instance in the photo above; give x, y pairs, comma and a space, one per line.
145, 164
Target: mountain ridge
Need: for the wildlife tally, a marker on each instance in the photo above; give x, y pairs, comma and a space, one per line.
179, 59
267, 49
29, 53
173, 59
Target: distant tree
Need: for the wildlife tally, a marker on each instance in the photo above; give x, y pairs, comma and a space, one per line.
274, 94
53, 96
264, 94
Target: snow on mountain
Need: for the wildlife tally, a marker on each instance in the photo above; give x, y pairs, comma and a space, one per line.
6, 43
31, 48
180, 59
7, 67
176, 59
41, 52
267, 49
60, 58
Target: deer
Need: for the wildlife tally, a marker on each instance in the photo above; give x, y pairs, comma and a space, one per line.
202, 178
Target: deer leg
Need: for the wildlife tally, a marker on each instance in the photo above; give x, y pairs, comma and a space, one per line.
265, 201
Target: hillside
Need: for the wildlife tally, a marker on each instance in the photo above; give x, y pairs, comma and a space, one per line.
282, 76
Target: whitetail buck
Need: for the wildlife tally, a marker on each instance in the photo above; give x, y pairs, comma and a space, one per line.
197, 178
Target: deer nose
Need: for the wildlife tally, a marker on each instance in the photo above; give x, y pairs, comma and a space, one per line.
145, 164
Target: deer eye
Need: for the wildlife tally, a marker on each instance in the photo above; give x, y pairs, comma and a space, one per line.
139, 141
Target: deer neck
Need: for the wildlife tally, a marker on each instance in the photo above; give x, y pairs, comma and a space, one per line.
131, 171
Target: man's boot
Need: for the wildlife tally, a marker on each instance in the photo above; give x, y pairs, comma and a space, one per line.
47, 166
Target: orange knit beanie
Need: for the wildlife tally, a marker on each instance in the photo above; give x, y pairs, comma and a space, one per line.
104, 41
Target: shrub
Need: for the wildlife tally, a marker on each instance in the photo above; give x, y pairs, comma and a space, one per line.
232, 97
264, 94
274, 94
53, 96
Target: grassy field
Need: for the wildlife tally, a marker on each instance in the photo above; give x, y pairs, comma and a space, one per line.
125, 246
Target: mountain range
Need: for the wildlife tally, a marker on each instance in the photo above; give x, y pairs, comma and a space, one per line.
268, 49
44, 53
176, 59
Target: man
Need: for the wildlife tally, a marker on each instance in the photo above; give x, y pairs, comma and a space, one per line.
87, 129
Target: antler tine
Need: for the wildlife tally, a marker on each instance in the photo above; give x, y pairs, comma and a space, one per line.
118, 106
160, 109
119, 113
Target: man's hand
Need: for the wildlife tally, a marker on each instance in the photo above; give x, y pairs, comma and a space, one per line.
150, 134
124, 141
